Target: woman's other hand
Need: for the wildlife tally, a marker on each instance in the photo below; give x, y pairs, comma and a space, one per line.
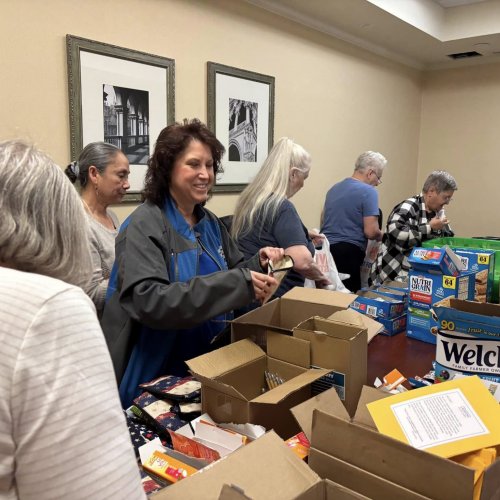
270, 253
263, 285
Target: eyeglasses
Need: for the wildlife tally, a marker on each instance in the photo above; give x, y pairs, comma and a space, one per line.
379, 178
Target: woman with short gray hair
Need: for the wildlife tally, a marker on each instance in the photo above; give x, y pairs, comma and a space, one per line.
102, 171
55, 368
411, 222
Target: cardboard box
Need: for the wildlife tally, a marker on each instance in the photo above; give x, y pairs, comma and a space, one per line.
393, 326
284, 314
377, 305
436, 261
425, 289
322, 490
401, 294
481, 262
232, 380
360, 458
340, 347
468, 340
259, 470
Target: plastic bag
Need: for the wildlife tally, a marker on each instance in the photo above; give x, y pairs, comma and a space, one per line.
370, 257
324, 260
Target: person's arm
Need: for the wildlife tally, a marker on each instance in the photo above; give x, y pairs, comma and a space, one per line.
303, 262
403, 227
64, 402
371, 229
149, 296
96, 288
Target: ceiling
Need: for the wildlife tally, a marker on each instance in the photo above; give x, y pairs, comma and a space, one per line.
417, 33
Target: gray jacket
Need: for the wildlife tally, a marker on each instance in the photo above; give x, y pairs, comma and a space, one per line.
146, 295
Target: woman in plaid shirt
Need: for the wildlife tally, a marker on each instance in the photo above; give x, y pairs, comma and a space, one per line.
412, 222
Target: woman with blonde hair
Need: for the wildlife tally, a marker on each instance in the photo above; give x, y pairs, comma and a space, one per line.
265, 216
56, 379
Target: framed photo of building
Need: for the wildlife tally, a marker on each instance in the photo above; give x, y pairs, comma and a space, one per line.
121, 96
241, 114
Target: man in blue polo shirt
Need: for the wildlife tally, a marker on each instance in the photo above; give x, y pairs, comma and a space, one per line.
350, 216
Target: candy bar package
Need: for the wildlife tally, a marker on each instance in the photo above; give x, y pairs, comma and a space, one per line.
172, 387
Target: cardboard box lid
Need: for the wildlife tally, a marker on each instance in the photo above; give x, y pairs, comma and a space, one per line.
223, 360
352, 317
290, 386
260, 469
319, 296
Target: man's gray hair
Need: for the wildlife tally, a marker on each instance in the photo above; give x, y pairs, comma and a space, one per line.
440, 181
370, 159
43, 226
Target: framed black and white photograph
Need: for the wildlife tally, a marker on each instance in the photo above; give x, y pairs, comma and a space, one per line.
121, 96
241, 114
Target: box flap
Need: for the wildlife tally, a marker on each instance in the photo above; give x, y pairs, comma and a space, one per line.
265, 465
290, 386
327, 401
480, 308
220, 387
373, 295
352, 317
232, 492
290, 349
368, 395
319, 296
225, 359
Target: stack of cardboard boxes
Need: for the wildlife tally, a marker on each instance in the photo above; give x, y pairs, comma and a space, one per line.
435, 275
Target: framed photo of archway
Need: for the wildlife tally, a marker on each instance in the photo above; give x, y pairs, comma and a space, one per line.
241, 114
121, 96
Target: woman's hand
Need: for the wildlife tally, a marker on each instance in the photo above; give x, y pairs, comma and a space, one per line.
270, 253
316, 237
263, 286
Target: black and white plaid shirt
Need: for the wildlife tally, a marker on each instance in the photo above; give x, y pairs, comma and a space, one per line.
407, 227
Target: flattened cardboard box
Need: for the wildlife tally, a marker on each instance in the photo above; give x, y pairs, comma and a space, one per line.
340, 347
357, 455
284, 314
259, 470
233, 379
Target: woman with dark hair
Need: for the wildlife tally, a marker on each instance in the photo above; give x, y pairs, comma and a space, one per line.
178, 275
102, 172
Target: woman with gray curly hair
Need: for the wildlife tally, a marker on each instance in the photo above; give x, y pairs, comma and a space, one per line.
55, 369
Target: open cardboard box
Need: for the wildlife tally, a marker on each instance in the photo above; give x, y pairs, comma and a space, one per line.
341, 347
233, 378
264, 469
259, 470
284, 314
353, 453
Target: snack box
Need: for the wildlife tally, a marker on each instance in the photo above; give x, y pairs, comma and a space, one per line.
468, 340
377, 305
436, 261
482, 262
393, 326
425, 289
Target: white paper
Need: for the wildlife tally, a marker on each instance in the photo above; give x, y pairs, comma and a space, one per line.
437, 419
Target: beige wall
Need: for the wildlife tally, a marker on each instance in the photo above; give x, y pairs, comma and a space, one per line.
334, 99
460, 133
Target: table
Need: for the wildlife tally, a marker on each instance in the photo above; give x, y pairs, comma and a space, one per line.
411, 357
